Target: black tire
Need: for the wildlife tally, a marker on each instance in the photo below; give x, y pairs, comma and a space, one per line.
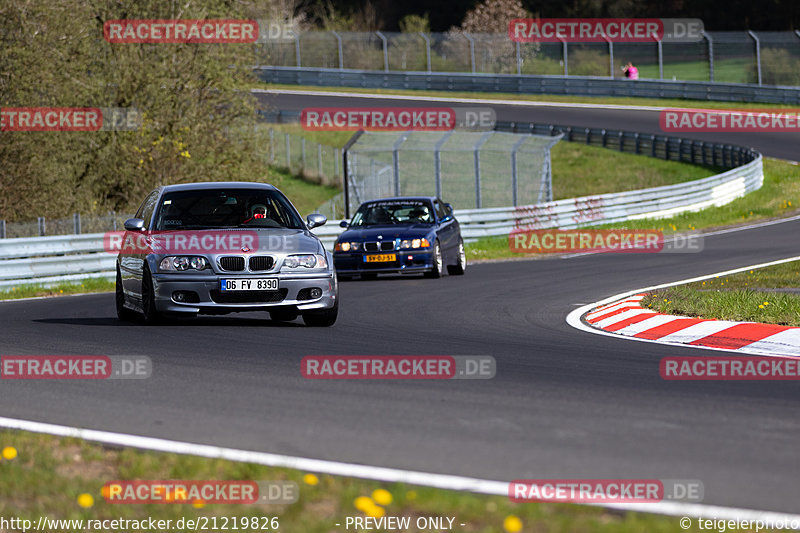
461, 266
283, 315
436, 271
123, 313
149, 312
369, 275
322, 318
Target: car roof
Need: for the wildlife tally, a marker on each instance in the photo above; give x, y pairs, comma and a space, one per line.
400, 198
206, 185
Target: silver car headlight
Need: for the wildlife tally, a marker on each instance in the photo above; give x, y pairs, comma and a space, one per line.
305, 260
182, 263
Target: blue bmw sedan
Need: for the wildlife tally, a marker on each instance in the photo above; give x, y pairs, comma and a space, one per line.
401, 235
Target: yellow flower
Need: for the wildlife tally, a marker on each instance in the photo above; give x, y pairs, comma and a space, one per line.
375, 511
766, 303
9, 452
362, 503
198, 504
85, 500
761, 306
382, 496
512, 524
310, 479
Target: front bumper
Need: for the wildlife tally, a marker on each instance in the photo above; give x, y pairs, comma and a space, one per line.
292, 293
407, 261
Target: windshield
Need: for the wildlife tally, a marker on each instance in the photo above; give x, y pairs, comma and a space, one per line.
226, 208
393, 212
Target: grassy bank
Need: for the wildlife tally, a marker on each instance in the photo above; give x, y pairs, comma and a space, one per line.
758, 295
62, 478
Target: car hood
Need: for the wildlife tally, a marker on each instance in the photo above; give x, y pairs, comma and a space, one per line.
388, 232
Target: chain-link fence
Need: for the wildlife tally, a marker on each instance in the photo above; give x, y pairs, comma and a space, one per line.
302, 156
74, 225
467, 169
768, 58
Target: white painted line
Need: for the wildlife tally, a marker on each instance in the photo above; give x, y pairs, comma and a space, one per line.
619, 317
377, 473
455, 100
574, 317
697, 331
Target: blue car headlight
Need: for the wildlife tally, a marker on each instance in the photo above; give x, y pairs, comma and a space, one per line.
415, 243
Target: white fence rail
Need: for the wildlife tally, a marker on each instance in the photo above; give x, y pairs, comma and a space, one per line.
49, 260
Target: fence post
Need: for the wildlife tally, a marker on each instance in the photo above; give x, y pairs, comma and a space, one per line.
2, 229
345, 180
710, 56
519, 60
660, 59
514, 181
565, 56
319, 160
758, 54
288, 152
472, 51
42, 229
481, 141
427, 49
385, 51
271, 145
396, 161
297, 48
437, 161
303, 153
76, 223
114, 220
610, 55
339, 44
336, 163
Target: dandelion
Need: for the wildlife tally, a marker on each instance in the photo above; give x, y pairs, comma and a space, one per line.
761, 306
512, 524
310, 479
382, 496
85, 500
9, 453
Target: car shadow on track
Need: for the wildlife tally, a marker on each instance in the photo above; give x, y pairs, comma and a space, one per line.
185, 322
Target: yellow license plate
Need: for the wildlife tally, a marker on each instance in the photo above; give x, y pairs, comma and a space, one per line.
380, 258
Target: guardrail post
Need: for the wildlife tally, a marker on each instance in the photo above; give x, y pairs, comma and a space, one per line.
621, 141
588, 136
297, 48
2, 229
341, 54
472, 51
569, 133
76, 223
710, 56
427, 49
652, 146
758, 54
385, 51
481, 141
603, 133
636, 139
42, 227
437, 161
514, 181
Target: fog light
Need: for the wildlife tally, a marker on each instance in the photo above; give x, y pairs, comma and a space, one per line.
179, 296
315, 293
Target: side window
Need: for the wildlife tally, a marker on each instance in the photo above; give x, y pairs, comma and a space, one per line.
147, 208
441, 210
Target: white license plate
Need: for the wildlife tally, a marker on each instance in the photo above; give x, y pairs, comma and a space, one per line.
249, 284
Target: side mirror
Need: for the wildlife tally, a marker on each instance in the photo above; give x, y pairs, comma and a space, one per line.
449, 209
315, 220
344, 224
134, 224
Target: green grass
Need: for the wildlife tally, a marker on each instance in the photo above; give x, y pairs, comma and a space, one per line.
779, 197
304, 194
611, 100
738, 297
49, 474
37, 290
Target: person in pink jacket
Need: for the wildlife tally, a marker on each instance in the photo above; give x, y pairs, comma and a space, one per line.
631, 72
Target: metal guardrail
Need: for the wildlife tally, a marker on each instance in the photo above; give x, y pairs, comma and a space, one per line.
531, 84
49, 260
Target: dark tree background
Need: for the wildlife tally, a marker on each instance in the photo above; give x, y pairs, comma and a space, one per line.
718, 15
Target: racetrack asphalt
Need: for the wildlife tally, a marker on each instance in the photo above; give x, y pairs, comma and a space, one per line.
564, 403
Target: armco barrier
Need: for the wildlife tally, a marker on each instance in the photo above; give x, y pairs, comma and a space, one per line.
49, 260
530, 84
